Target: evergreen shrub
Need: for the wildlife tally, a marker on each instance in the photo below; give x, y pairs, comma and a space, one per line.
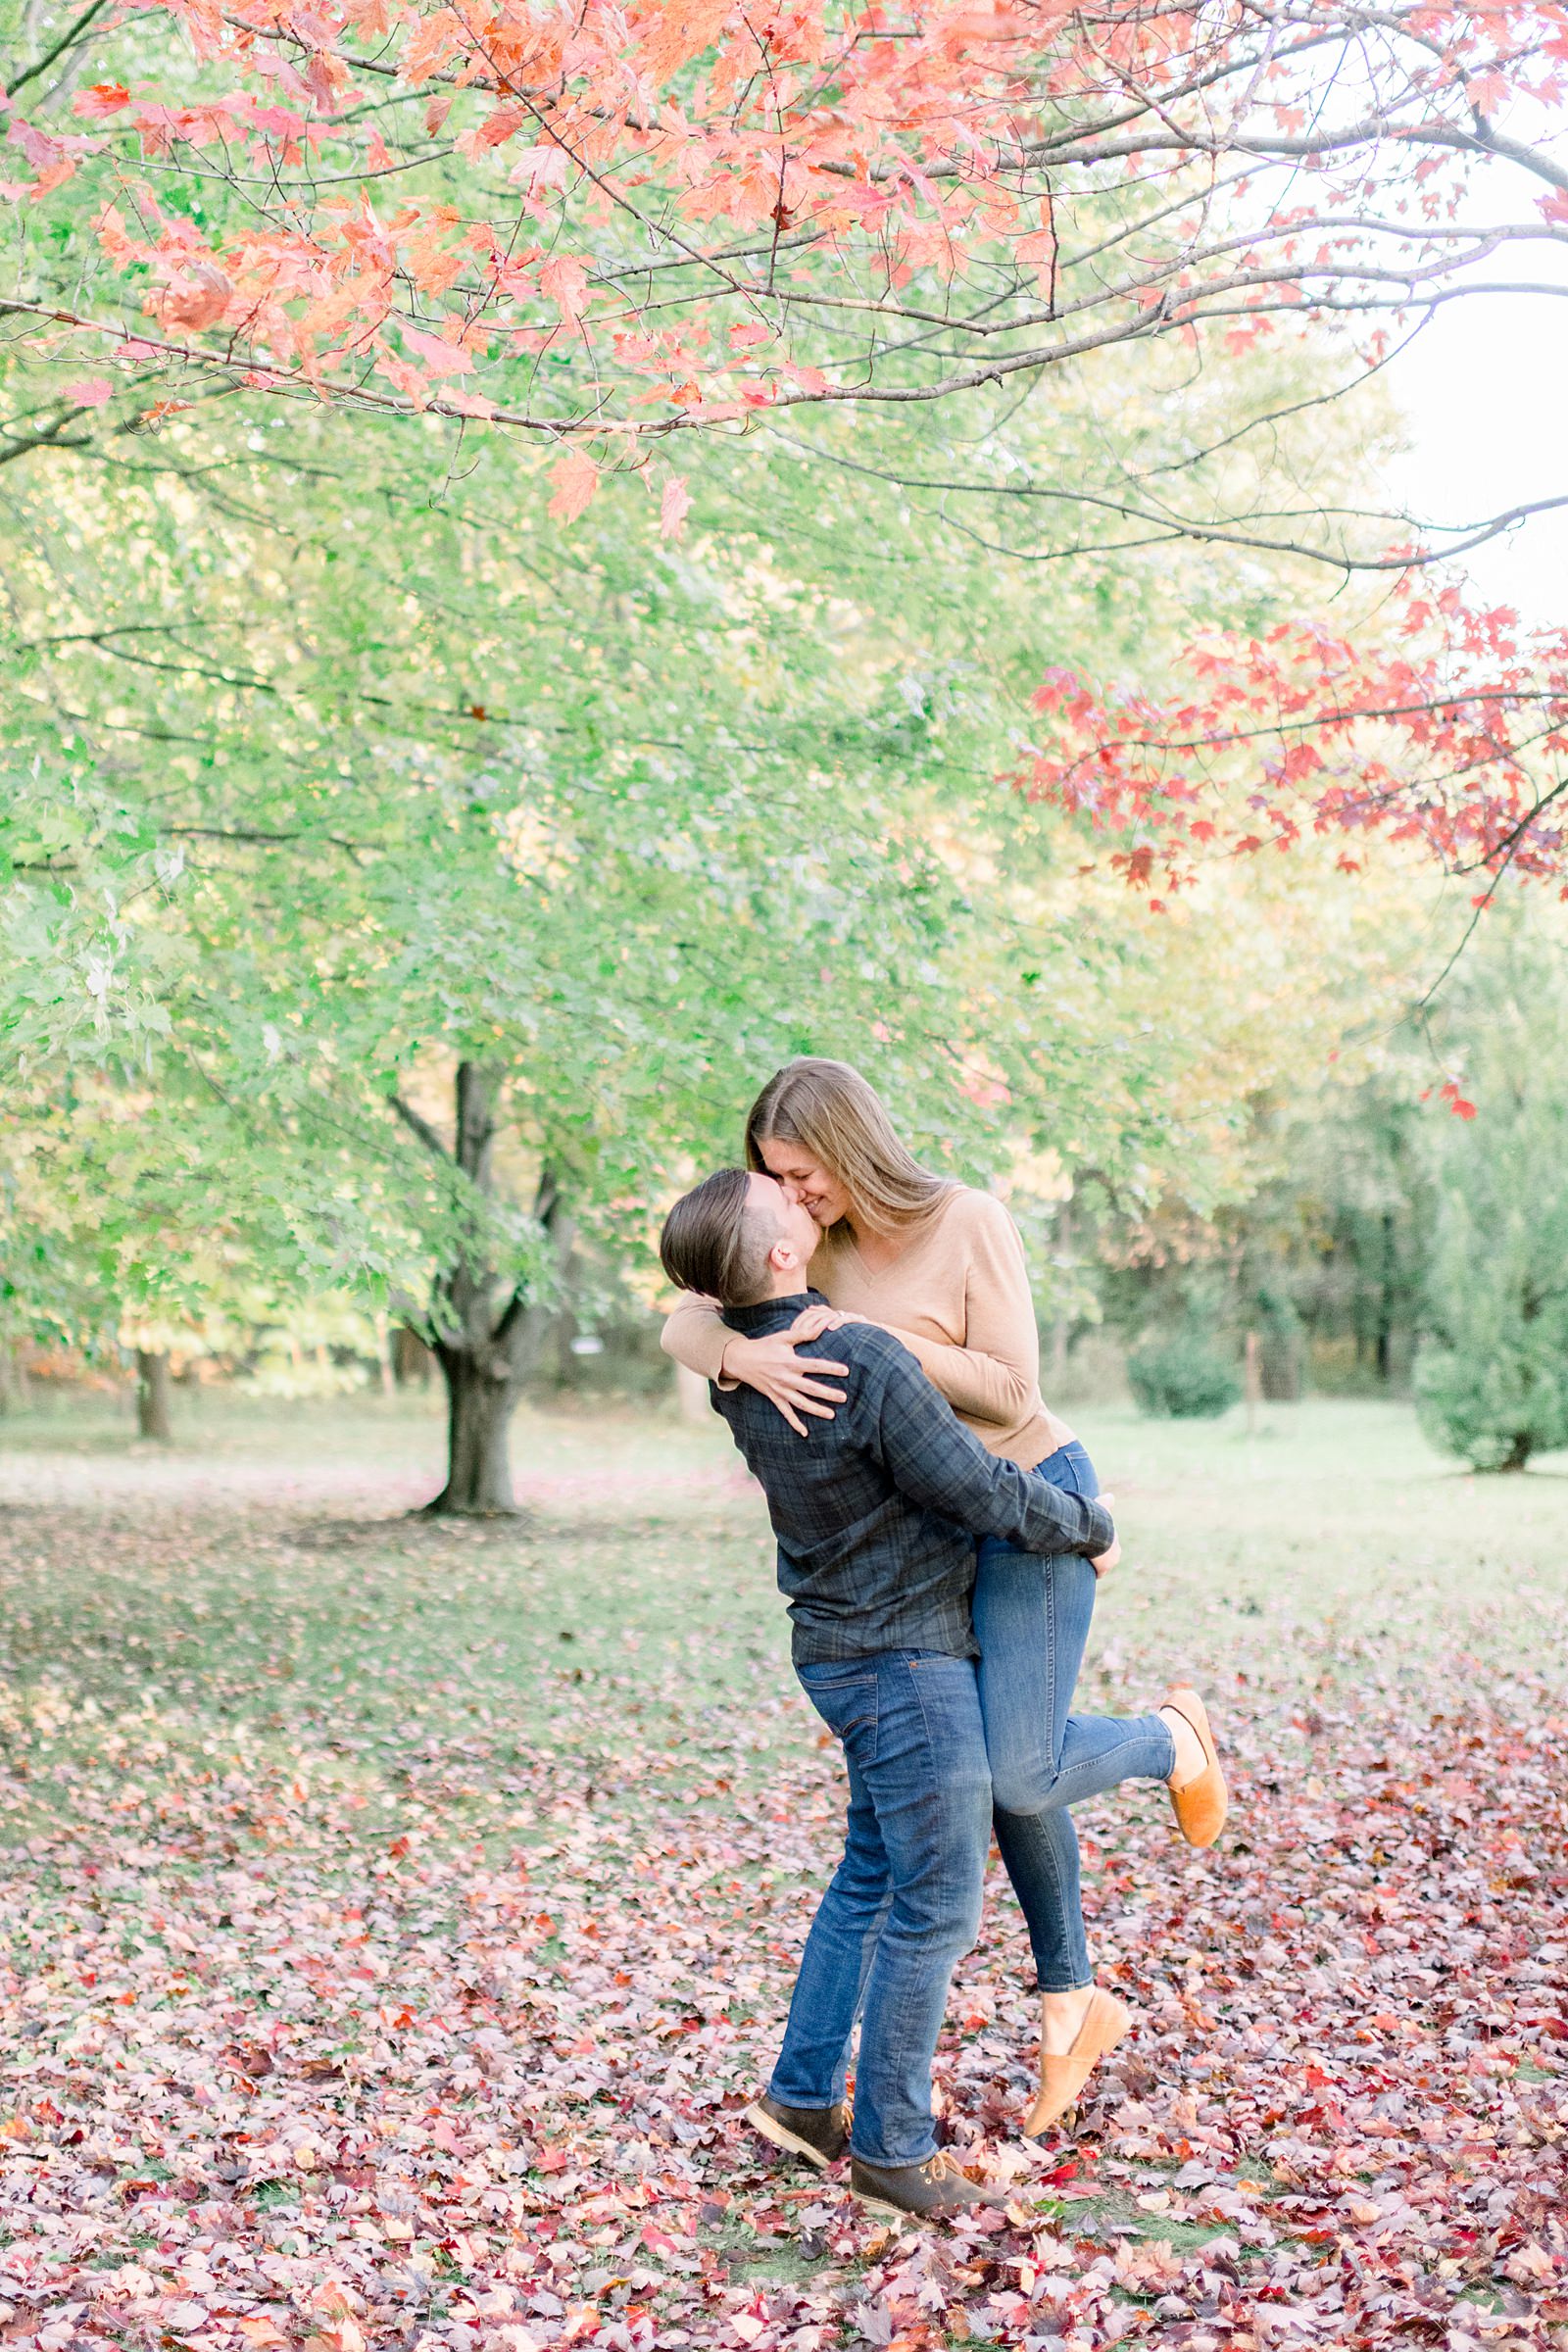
1501, 1396
1491, 1374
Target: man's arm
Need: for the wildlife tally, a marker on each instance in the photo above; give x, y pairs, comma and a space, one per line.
938, 1463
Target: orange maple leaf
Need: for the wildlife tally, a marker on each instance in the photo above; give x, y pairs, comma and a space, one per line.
576, 478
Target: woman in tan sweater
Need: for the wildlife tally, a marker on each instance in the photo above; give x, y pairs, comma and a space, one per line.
941, 1266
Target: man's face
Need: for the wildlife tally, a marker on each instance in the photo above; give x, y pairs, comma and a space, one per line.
789, 1217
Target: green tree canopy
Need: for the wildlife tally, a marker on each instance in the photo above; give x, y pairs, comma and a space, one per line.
338, 771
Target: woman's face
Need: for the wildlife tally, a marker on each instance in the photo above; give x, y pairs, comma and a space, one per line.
806, 1179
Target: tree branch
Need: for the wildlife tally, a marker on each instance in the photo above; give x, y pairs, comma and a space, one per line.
422, 1129
67, 40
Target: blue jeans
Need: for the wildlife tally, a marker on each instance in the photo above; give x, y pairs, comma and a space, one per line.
905, 1902
1031, 1618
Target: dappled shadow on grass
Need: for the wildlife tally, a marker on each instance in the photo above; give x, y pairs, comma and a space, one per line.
413, 1530
1531, 1474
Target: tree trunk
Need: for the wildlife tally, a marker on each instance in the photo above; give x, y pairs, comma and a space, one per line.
15, 1387
1522, 1448
154, 1418
484, 1356
478, 1460
1385, 1338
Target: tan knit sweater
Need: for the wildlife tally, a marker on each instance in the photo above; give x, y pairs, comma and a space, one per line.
957, 1295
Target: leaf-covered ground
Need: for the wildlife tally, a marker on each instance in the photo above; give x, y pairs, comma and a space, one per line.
396, 1919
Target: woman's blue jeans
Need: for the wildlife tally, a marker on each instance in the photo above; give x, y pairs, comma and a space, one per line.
1031, 1618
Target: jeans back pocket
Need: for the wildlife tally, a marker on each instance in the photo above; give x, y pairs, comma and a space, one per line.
845, 1696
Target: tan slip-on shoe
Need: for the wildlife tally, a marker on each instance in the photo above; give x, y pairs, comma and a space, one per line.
1062, 2074
1199, 1805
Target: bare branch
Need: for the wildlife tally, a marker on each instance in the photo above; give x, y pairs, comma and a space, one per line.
422, 1128
266, 840
1170, 526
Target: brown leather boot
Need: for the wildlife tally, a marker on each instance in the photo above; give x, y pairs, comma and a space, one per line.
818, 2133
932, 2191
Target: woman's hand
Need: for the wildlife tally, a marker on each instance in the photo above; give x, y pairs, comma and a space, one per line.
1103, 1562
812, 1322
772, 1367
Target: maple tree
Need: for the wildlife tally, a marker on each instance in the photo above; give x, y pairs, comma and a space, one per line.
619, 231
1449, 732
331, 770
613, 226
552, 815
335, 767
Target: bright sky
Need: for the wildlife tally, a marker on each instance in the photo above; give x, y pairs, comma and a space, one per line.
1485, 390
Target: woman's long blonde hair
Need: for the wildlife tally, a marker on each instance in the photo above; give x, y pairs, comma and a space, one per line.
829, 1110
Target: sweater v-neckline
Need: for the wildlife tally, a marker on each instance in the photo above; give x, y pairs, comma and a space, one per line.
877, 1273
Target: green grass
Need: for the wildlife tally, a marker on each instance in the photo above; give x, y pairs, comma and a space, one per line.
1335, 1530
259, 1590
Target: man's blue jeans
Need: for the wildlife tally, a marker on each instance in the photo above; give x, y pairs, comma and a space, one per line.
1031, 1619
905, 1902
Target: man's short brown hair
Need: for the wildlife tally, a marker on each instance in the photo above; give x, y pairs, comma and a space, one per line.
715, 1242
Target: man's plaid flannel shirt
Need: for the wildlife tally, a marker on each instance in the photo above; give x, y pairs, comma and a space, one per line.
877, 1512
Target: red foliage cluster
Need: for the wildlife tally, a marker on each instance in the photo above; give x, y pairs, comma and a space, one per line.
612, 222
702, 208
1452, 738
